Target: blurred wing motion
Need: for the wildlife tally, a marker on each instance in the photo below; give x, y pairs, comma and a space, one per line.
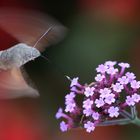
13, 85
27, 26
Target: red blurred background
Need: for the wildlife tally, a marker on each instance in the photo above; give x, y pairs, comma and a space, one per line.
22, 119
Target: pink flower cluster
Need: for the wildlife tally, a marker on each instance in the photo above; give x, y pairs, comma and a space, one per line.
106, 98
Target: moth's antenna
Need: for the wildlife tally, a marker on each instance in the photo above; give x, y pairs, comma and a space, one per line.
46, 32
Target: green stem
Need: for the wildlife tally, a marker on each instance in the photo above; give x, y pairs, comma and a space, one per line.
115, 122
136, 121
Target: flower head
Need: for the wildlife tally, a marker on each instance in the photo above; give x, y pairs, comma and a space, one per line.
101, 102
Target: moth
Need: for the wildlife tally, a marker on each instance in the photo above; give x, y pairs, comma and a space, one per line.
35, 31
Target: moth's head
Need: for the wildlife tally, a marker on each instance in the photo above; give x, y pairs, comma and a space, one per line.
26, 52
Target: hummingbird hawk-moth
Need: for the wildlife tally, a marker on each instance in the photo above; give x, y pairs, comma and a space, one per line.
27, 27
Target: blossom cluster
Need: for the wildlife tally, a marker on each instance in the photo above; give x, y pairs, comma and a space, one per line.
113, 90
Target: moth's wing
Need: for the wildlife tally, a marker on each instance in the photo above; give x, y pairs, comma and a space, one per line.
27, 26
13, 85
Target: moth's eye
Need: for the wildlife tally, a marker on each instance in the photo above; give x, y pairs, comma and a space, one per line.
35, 53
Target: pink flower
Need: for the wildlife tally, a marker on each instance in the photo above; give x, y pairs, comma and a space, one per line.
59, 113
88, 112
131, 76
99, 77
63, 126
95, 115
135, 84
110, 63
89, 126
130, 101
69, 98
112, 71
110, 99
89, 91
123, 80
136, 97
117, 87
101, 68
87, 104
113, 111
124, 65
104, 92
70, 107
74, 82
99, 102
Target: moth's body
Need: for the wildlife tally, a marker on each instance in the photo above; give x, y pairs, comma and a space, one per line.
17, 56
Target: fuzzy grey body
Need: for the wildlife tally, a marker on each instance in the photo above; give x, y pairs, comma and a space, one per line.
17, 56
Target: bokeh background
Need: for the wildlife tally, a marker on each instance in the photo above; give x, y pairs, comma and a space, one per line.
98, 30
